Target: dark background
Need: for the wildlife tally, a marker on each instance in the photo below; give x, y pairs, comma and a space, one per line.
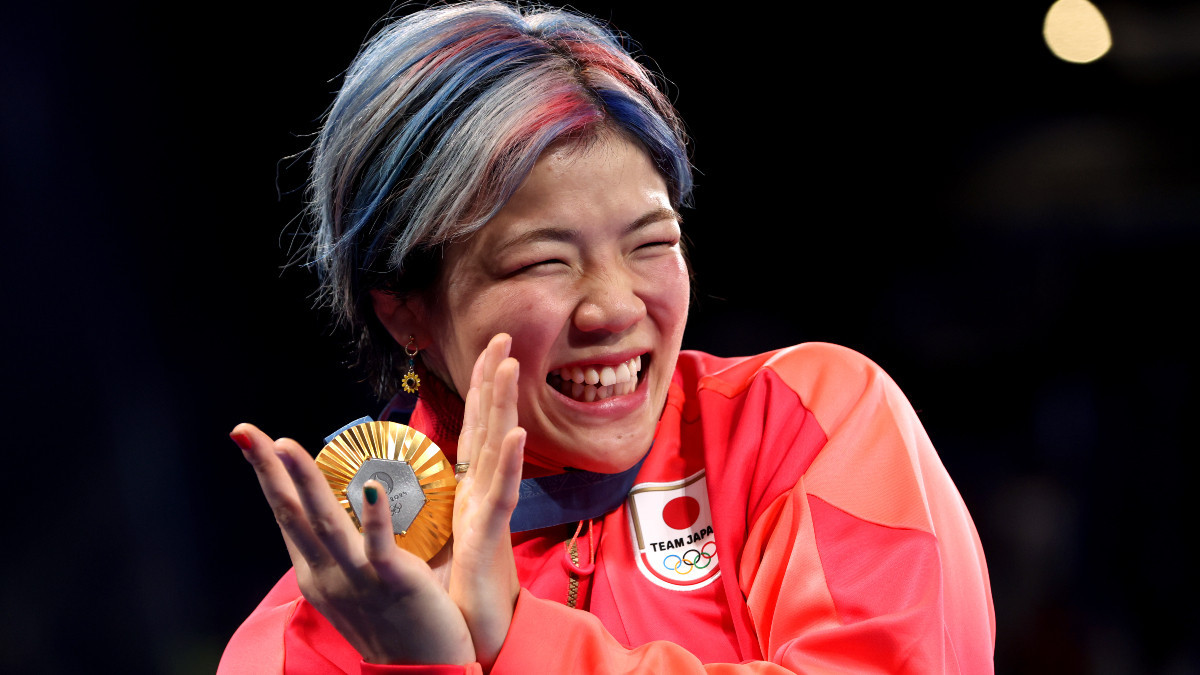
1011, 236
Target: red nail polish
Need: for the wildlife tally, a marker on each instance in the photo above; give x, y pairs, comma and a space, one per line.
241, 439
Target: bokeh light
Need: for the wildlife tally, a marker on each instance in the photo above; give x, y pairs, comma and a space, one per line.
1076, 31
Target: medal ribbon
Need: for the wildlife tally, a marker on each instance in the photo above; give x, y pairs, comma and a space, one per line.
560, 498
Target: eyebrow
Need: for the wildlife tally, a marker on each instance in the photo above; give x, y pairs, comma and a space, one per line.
564, 234
654, 216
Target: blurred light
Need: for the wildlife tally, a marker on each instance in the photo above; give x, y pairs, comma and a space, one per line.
1076, 31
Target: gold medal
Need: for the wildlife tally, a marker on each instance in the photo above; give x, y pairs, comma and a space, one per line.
418, 479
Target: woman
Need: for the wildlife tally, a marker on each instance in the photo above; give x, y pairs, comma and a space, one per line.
497, 200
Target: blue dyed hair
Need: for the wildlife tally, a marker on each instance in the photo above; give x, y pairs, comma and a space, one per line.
439, 120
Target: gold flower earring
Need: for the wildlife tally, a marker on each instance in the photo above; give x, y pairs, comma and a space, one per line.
411, 382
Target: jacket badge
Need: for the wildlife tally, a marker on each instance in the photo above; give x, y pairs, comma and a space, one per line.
673, 533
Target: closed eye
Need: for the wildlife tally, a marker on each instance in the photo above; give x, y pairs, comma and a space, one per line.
541, 264
653, 245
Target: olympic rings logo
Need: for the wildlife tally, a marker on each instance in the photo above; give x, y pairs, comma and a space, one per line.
685, 563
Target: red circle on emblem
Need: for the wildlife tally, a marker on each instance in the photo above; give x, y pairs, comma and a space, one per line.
681, 512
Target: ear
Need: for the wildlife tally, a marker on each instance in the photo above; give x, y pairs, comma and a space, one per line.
403, 316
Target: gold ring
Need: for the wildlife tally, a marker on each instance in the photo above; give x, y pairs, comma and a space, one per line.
462, 467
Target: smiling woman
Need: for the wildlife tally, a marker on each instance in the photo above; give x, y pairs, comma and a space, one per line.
496, 196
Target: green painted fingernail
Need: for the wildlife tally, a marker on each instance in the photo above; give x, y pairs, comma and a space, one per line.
371, 493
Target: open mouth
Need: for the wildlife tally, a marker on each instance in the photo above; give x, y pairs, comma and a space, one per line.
595, 382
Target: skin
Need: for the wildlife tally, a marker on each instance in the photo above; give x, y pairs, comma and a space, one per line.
582, 266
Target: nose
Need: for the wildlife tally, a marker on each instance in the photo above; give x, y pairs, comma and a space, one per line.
610, 304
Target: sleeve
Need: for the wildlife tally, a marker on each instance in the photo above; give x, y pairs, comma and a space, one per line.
378, 669
865, 560
870, 562
258, 644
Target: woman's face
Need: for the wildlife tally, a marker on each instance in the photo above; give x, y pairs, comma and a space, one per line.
583, 268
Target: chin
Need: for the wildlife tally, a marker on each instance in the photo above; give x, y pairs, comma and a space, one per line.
620, 451
613, 457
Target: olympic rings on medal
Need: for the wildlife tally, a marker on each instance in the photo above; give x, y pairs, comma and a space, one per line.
691, 563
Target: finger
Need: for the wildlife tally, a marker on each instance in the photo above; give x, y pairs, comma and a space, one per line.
280, 491
257, 447
378, 536
327, 520
259, 450
496, 351
469, 437
379, 539
477, 371
502, 417
500, 345
506, 483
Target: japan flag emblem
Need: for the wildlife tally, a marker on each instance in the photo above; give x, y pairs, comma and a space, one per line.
672, 531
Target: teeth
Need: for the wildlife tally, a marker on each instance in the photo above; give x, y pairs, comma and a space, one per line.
591, 383
608, 377
623, 374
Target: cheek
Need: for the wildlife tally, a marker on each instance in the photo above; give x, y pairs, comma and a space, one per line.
487, 311
532, 314
671, 295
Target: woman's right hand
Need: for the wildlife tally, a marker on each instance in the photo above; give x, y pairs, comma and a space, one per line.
483, 581
388, 603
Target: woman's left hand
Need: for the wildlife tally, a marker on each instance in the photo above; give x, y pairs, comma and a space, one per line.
483, 577
388, 603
